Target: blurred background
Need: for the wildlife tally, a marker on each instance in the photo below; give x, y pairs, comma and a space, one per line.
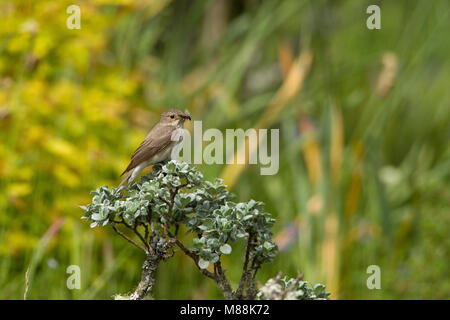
363, 115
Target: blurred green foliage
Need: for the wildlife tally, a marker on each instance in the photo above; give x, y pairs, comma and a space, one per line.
364, 130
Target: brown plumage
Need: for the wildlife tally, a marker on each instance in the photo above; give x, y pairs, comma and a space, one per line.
157, 145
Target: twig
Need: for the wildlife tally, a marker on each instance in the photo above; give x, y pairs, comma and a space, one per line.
218, 276
127, 238
142, 239
195, 258
146, 232
245, 272
222, 282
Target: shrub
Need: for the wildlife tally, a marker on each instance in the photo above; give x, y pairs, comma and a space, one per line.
175, 195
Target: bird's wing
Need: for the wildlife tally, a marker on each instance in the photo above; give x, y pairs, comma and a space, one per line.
158, 139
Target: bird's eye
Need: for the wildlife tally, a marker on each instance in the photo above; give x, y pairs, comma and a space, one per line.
172, 116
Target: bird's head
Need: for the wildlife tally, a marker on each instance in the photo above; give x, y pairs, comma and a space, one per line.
174, 117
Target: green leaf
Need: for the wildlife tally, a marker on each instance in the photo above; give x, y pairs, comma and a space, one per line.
203, 264
241, 234
225, 249
96, 217
268, 245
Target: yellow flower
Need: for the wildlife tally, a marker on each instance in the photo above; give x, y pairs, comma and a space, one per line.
17, 190
16, 241
66, 176
60, 148
19, 43
43, 44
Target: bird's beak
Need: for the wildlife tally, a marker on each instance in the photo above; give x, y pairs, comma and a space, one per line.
186, 116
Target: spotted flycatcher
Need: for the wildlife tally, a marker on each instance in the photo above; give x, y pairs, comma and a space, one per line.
157, 145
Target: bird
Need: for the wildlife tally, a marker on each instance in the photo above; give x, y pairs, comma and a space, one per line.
157, 145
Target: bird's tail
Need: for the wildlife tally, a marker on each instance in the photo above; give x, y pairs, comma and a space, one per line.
125, 178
